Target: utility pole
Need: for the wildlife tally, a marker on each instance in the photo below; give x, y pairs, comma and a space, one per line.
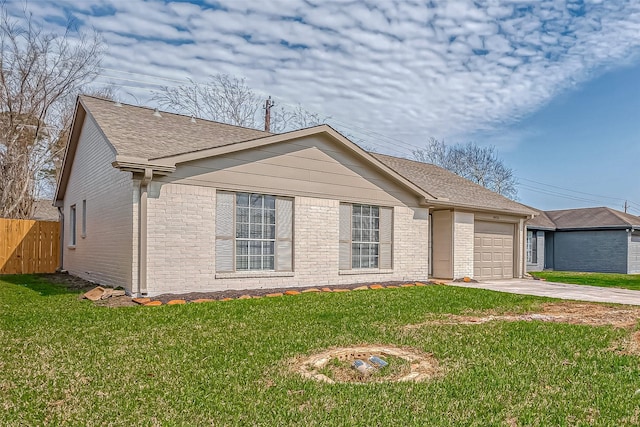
626, 206
267, 114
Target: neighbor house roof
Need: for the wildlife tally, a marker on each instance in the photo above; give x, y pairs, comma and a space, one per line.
586, 218
541, 222
164, 139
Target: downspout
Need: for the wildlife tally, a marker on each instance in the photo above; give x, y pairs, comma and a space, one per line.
61, 217
142, 231
522, 249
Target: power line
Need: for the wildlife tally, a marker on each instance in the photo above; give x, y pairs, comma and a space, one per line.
575, 191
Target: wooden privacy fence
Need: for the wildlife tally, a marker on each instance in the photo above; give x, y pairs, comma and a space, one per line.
28, 246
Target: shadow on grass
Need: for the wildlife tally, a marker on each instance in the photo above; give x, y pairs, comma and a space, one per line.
38, 284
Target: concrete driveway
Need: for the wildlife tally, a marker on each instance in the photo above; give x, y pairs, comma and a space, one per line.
557, 290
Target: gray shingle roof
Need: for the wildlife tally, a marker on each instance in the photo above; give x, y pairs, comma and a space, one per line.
448, 186
601, 217
541, 222
137, 132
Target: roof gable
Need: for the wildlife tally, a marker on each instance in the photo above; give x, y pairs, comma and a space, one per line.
149, 134
145, 138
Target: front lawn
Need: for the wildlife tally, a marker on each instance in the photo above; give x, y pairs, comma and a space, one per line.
64, 361
610, 280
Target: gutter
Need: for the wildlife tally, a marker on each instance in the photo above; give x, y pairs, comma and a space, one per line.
137, 165
444, 203
61, 216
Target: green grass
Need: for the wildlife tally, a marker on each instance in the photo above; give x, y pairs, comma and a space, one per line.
64, 361
609, 280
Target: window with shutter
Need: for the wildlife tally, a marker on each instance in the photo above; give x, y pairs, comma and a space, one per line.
254, 232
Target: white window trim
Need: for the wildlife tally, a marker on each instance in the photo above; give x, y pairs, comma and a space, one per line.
370, 241
84, 219
73, 232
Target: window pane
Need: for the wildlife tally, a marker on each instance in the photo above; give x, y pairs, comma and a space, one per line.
268, 263
270, 217
366, 210
256, 231
375, 211
268, 248
242, 215
355, 250
242, 247
255, 247
242, 263
255, 263
270, 231
256, 216
256, 201
242, 199
242, 231
270, 202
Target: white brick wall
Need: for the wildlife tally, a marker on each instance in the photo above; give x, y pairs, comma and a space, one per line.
463, 242
105, 254
181, 239
182, 236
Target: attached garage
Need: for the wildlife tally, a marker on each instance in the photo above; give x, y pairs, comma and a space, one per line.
493, 252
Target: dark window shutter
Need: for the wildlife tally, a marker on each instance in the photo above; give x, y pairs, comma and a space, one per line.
386, 238
284, 234
345, 237
225, 231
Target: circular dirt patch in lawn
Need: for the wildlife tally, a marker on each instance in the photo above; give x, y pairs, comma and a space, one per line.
336, 365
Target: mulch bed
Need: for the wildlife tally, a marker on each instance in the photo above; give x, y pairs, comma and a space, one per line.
233, 293
77, 284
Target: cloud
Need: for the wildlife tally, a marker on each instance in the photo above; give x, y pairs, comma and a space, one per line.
448, 69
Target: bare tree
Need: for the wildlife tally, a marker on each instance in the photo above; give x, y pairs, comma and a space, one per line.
478, 164
229, 99
298, 117
223, 98
38, 71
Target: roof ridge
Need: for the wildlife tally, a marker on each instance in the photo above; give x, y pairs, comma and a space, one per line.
622, 215
153, 109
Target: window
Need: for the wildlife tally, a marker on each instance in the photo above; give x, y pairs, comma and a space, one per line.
532, 247
365, 237
72, 225
254, 232
84, 219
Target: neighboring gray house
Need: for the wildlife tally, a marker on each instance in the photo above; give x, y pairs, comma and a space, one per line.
590, 239
164, 203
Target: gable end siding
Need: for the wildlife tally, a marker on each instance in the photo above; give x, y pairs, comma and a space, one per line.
105, 254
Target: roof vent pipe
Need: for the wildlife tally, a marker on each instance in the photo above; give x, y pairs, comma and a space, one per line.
156, 113
193, 119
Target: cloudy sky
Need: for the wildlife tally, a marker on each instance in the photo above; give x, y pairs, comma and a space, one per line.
554, 85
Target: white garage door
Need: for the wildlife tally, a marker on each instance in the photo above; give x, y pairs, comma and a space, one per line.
493, 250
